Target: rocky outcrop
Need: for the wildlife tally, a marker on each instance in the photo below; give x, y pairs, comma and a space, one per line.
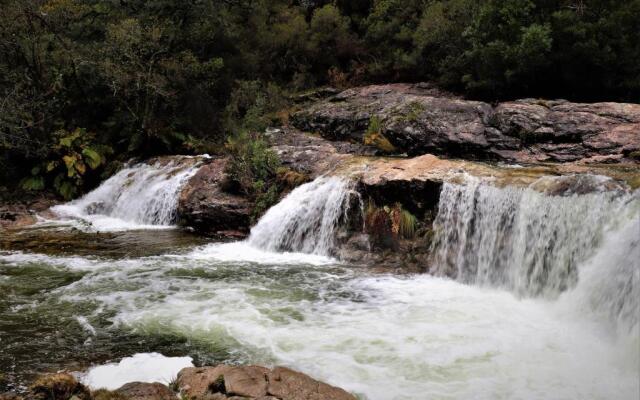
205, 206
254, 382
23, 212
222, 382
419, 120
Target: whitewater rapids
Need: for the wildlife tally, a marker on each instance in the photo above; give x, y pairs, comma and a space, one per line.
278, 298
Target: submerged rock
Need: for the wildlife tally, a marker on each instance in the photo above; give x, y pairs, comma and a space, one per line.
254, 382
419, 121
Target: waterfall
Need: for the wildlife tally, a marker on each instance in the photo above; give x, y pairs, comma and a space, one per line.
141, 195
524, 239
609, 283
581, 244
305, 220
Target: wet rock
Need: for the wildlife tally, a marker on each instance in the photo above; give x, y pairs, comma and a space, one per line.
247, 381
419, 120
60, 386
287, 384
205, 206
577, 185
21, 212
254, 382
202, 382
146, 391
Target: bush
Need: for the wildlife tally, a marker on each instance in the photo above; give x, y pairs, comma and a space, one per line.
252, 170
386, 225
73, 156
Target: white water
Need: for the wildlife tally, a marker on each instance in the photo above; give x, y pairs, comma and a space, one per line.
574, 335
521, 239
144, 367
143, 196
381, 336
306, 220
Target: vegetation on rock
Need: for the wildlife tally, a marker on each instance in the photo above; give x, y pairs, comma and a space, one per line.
386, 225
374, 137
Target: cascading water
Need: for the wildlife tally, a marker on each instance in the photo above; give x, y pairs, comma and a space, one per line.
306, 220
422, 336
538, 244
142, 195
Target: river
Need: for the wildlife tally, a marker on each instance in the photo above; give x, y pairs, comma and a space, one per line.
544, 306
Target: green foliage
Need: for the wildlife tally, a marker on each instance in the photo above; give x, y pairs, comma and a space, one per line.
374, 137
73, 157
168, 76
386, 225
252, 170
415, 108
252, 106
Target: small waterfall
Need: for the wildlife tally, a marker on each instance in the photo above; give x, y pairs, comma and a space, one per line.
525, 239
306, 220
142, 194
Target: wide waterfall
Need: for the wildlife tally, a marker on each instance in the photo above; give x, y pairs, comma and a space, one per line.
140, 196
306, 220
544, 304
540, 244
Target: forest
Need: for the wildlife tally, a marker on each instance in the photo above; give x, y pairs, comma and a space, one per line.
87, 84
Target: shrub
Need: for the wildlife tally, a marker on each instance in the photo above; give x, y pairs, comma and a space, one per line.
252, 170
374, 137
73, 156
386, 225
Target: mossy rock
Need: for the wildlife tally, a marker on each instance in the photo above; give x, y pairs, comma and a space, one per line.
60, 386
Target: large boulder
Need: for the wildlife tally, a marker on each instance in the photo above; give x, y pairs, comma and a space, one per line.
418, 120
207, 207
253, 382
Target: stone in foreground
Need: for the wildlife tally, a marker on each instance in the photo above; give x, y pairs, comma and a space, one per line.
254, 382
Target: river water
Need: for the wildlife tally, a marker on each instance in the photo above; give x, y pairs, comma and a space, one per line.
557, 320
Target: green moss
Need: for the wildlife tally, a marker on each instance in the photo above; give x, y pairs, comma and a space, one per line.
414, 109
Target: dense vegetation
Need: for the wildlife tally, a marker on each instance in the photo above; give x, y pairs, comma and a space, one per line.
85, 83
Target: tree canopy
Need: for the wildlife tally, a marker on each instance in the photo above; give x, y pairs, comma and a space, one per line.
143, 77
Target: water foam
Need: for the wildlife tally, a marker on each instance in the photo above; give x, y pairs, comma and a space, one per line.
306, 220
143, 367
142, 196
520, 238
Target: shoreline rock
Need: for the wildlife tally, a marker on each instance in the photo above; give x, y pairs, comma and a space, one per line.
194, 383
